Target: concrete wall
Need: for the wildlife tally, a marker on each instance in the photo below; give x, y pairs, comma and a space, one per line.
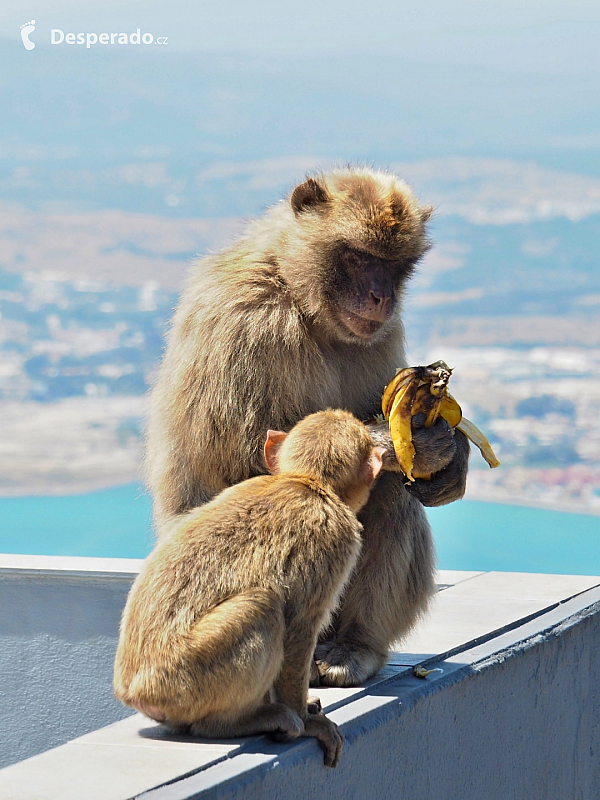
515, 714
521, 724
59, 620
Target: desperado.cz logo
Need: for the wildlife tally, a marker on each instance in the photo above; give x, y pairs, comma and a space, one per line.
90, 39
58, 37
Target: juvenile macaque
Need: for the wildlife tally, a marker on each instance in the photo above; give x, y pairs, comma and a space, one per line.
220, 626
303, 313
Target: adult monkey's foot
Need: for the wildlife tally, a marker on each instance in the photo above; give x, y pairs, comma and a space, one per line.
346, 664
313, 704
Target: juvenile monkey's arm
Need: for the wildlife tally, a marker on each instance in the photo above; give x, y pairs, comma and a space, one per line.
438, 450
380, 433
291, 688
435, 447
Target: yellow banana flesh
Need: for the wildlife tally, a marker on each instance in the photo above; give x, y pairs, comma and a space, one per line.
416, 390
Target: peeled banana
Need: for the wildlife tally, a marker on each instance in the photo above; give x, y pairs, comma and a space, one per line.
417, 390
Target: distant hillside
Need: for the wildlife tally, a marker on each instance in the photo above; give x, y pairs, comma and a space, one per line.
536, 269
508, 284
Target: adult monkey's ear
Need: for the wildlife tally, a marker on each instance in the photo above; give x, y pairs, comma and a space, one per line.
309, 194
426, 212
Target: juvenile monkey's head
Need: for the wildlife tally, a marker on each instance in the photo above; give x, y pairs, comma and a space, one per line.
355, 239
333, 447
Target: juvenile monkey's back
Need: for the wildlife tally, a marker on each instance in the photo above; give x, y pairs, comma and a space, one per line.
255, 528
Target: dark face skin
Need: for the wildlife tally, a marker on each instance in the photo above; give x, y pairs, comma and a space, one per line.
364, 290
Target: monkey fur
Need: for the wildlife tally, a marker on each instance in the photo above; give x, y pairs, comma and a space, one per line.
304, 312
227, 609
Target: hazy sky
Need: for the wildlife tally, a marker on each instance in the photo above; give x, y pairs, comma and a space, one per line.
384, 81
546, 36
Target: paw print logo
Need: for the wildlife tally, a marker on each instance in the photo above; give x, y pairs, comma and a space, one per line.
26, 29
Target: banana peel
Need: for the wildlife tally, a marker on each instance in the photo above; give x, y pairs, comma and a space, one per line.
416, 390
473, 433
400, 430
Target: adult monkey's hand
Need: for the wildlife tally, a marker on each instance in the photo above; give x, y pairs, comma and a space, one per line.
439, 450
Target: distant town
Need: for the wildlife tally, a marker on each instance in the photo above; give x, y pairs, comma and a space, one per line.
82, 338
78, 355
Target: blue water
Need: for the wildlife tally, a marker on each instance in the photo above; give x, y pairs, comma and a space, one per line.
469, 535
112, 523
489, 536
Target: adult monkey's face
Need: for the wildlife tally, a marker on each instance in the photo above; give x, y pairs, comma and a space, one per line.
361, 236
362, 290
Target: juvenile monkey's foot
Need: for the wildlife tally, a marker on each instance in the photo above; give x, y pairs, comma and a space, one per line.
276, 719
341, 664
328, 735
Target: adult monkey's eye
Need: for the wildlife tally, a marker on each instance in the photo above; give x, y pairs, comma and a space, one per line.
355, 258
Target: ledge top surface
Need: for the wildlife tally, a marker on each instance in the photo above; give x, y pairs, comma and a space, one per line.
68, 565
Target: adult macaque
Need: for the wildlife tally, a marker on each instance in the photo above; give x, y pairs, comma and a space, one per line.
303, 313
227, 609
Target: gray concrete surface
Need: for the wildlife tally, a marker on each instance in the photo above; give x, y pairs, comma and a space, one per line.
59, 620
515, 714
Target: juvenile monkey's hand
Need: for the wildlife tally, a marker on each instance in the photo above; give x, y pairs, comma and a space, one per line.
328, 735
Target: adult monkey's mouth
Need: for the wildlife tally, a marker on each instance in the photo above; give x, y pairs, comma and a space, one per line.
359, 326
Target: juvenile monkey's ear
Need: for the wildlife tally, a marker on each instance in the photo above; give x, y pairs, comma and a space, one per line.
373, 464
272, 446
309, 194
